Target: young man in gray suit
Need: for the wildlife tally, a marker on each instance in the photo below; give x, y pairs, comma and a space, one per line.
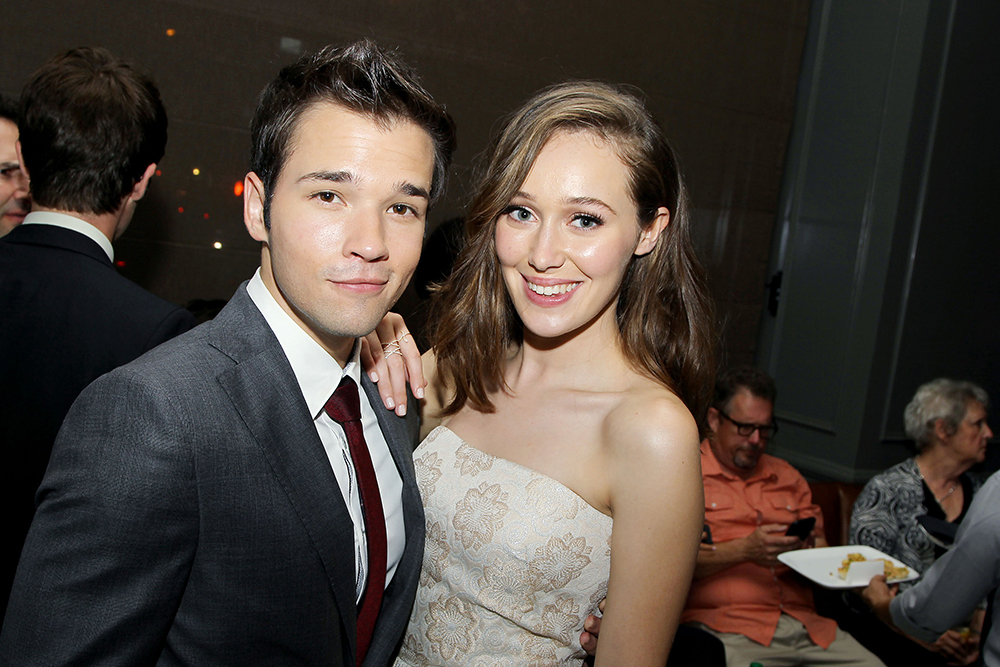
230, 498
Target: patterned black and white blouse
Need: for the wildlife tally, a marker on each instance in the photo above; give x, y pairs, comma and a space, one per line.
885, 514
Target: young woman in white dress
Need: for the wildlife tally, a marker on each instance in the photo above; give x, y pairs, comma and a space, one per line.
571, 345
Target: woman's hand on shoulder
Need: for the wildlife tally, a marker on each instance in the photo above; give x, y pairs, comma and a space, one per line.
390, 357
657, 499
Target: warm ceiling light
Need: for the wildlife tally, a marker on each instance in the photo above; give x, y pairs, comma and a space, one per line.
238, 188
217, 245
171, 32
196, 171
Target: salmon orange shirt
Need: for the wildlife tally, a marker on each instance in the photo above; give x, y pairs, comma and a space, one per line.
748, 598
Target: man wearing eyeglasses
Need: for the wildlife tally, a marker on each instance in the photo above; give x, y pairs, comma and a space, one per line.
741, 594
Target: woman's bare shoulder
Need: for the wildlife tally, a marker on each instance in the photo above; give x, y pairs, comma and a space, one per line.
650, 447
651, 417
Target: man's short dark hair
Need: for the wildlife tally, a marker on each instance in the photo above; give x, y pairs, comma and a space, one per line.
754, 380
90, 125
362, 78
8, 109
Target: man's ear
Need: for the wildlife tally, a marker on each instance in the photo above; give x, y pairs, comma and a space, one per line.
649, 235
713, 419
139, 189
253, 207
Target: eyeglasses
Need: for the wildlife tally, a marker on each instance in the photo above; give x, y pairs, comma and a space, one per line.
746, 430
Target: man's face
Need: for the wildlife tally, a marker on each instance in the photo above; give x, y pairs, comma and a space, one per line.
739, 454
14, 201
346, 221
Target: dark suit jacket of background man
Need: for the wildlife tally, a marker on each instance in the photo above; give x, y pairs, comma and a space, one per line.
190, 516
66, 317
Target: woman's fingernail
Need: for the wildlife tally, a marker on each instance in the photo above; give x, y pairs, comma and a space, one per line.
374, 376
401, 410
419, 393
389, 403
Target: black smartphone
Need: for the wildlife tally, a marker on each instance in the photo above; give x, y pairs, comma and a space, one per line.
708, 535
801, 528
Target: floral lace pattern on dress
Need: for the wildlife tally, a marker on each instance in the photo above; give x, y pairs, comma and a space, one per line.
514, 562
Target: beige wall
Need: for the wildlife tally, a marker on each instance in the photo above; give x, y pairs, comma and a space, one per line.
719, 74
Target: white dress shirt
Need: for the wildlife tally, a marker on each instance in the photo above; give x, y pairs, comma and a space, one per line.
318, 375
75, 224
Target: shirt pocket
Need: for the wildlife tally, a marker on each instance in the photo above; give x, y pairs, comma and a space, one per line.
721, 515
781, 510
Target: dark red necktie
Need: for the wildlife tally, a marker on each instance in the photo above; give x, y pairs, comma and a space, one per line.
345, 408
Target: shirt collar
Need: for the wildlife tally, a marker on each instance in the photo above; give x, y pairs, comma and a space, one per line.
316, 371
71, 222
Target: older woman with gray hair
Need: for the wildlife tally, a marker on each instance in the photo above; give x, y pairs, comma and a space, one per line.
947, 421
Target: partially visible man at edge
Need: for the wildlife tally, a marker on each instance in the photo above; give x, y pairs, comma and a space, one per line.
91, 131
741, 594
14, 199
231, 498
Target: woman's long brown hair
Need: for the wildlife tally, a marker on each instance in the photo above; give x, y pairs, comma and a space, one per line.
664, 314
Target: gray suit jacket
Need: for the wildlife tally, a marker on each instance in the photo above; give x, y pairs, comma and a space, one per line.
189, 516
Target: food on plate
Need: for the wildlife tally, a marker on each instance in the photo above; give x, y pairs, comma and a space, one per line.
892, 572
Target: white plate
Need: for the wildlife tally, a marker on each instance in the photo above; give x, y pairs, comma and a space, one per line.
820, 565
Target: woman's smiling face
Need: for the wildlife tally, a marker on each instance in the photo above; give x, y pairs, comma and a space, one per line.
568, 235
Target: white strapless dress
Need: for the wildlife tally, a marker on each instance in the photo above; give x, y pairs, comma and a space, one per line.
513, 564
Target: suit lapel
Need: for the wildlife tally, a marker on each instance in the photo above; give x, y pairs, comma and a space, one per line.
396, 606
263, 390
396, 432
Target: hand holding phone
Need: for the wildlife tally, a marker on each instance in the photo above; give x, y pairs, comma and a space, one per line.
801, 528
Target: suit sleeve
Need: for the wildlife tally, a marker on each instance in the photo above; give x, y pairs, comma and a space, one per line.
108, 554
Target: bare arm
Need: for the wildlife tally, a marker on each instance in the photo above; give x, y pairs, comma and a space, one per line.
658, 505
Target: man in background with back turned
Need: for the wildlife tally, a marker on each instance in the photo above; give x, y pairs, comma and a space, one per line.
91, 131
